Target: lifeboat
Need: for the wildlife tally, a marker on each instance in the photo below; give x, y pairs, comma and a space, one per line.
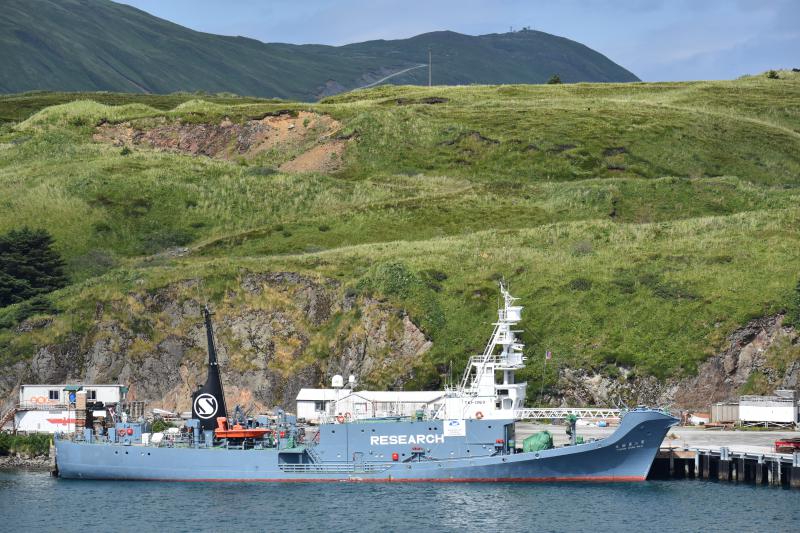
237, 431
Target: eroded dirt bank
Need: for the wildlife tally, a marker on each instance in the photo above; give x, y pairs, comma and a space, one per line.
300, 141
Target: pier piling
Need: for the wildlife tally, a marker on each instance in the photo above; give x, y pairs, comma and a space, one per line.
722, 464
794, 472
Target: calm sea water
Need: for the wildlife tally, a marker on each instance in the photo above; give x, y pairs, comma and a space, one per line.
35, 501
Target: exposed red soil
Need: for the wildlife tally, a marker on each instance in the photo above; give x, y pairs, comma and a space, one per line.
311, 133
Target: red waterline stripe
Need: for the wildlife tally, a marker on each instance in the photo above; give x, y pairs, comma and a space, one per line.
589, 479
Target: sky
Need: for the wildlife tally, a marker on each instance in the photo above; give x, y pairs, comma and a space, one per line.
658, 40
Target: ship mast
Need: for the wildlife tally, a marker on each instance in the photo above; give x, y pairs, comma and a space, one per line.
479, 376
208, 402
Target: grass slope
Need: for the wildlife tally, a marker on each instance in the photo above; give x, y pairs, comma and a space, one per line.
640, 223
91, 45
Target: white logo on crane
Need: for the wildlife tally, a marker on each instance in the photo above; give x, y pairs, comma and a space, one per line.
205, 406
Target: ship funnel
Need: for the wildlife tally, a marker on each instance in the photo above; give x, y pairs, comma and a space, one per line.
208, 402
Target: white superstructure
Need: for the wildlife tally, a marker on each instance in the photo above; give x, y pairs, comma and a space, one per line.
319, 404
46, 408
488, 388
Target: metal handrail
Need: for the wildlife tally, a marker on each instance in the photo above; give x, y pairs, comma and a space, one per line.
542, 413
34, 406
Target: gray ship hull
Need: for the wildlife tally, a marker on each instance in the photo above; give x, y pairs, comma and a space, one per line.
362, 452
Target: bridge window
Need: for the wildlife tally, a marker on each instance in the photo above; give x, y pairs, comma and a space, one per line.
91, 394
53, 394
319, 406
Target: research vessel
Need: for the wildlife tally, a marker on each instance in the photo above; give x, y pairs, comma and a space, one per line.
468, 436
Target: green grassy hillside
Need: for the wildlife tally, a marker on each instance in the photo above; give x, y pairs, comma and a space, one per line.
639, 223
99, 45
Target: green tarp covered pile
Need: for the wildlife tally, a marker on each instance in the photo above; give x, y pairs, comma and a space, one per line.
537, 442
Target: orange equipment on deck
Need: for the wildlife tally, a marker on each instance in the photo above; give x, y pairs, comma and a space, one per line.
237, 431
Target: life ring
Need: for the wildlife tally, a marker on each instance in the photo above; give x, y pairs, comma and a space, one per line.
478, 415
340, 419
348, 416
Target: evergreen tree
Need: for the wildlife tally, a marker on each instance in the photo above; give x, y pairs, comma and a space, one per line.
29, 265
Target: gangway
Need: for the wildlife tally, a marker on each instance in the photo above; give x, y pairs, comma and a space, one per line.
546, 413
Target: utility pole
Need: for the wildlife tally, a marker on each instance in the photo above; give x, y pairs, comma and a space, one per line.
430, 66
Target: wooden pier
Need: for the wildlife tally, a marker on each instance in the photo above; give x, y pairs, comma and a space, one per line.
724, 464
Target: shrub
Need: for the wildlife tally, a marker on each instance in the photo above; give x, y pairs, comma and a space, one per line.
555, 79
160, 425
125, 151
27, 445
582, 248
772, 74
38, 305
580, 284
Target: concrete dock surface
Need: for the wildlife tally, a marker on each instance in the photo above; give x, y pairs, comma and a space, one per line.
689, 436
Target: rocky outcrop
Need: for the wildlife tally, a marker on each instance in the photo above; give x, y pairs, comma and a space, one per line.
751, 350
276, 333
580, 387
280, 331
764, 347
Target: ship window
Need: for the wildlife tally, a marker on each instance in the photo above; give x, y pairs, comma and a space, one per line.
91, 394
319, 406
53, 394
